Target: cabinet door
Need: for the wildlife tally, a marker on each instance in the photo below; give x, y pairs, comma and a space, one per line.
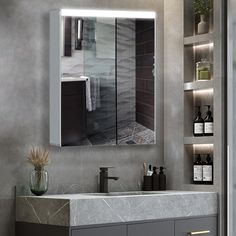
164, 228
73, 113
199, 227
101, 231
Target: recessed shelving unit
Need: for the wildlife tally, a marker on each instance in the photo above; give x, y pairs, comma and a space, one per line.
209, 46
200, 93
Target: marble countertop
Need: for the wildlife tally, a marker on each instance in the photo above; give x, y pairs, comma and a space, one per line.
90, 209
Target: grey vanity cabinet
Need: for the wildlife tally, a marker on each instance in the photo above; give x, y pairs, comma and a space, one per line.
200, 226
165, 228
205, 226
119, 230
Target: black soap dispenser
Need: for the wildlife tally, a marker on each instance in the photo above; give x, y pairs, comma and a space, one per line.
155, 180
198, 124
197, 170
207, 170
208, 122
162, 179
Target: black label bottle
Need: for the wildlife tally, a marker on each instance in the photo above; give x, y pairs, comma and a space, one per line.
207, 170
198, 124
155, 180
162, 179
197, 170
208, 123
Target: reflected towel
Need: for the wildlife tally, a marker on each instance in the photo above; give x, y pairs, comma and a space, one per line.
88, 93
95, 93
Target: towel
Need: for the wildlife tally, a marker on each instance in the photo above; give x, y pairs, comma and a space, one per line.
88, 93
95, 93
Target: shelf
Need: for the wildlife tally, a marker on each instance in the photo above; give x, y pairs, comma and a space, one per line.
200, 187
74, 79
198, 85
198, 39
199, 140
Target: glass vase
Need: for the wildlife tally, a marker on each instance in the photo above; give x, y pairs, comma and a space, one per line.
39, 182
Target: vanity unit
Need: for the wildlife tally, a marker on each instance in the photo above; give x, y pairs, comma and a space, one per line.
170, 213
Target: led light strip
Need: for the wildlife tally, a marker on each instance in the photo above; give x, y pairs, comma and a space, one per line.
109, 14
204, 45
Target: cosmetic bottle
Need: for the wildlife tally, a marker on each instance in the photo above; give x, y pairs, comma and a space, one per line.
203, 70
150, 172
197, 170
208, 122
155, 180
162, 179
207, 170
198, 124
147, 178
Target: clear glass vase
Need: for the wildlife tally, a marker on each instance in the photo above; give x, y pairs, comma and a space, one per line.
39, 182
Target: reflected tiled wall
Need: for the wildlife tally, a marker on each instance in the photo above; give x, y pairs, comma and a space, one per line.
144, 73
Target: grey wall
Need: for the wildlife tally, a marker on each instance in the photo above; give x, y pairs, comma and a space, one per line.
24, 106
173, 90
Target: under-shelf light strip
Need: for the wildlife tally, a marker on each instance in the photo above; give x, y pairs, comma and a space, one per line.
203, 145
108, 13
204, 91
204, 45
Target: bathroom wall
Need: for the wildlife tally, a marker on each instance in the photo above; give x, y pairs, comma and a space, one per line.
24, 107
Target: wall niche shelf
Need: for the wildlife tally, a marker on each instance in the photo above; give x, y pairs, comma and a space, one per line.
198, 39
198, 85
199, 140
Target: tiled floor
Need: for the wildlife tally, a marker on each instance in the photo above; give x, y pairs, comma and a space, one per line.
128, 133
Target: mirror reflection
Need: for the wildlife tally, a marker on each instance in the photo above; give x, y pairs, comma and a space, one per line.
107, 81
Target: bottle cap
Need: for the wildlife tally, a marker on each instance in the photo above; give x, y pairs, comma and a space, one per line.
198, 158
199, 110
208, 158
208, 111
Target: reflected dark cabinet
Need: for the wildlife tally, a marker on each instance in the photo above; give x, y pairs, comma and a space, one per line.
73, 107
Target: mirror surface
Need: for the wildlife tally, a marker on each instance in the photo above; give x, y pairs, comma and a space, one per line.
107, 81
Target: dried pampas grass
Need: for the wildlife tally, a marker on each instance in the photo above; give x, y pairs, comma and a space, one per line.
38, 157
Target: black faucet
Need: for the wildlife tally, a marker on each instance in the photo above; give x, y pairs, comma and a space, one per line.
104, 179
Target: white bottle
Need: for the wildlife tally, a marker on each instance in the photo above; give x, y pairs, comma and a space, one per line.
149, 172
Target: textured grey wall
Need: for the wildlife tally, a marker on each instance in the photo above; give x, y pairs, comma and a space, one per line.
24, 105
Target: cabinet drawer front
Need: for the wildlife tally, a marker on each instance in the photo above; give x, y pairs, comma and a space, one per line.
165, 228
101, 231
198, 227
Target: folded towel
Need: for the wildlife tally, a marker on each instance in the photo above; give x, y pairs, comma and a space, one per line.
88, 93
95, 93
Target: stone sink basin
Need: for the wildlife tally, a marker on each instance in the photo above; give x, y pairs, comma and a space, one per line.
98, 208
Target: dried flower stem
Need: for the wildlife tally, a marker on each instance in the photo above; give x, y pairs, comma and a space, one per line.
38, 157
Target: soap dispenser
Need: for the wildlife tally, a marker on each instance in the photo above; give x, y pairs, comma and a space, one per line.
207, 170
162, 179
197, 170
208, 122
155, 180
198, 124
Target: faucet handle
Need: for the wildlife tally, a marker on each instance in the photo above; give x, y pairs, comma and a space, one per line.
106, 168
